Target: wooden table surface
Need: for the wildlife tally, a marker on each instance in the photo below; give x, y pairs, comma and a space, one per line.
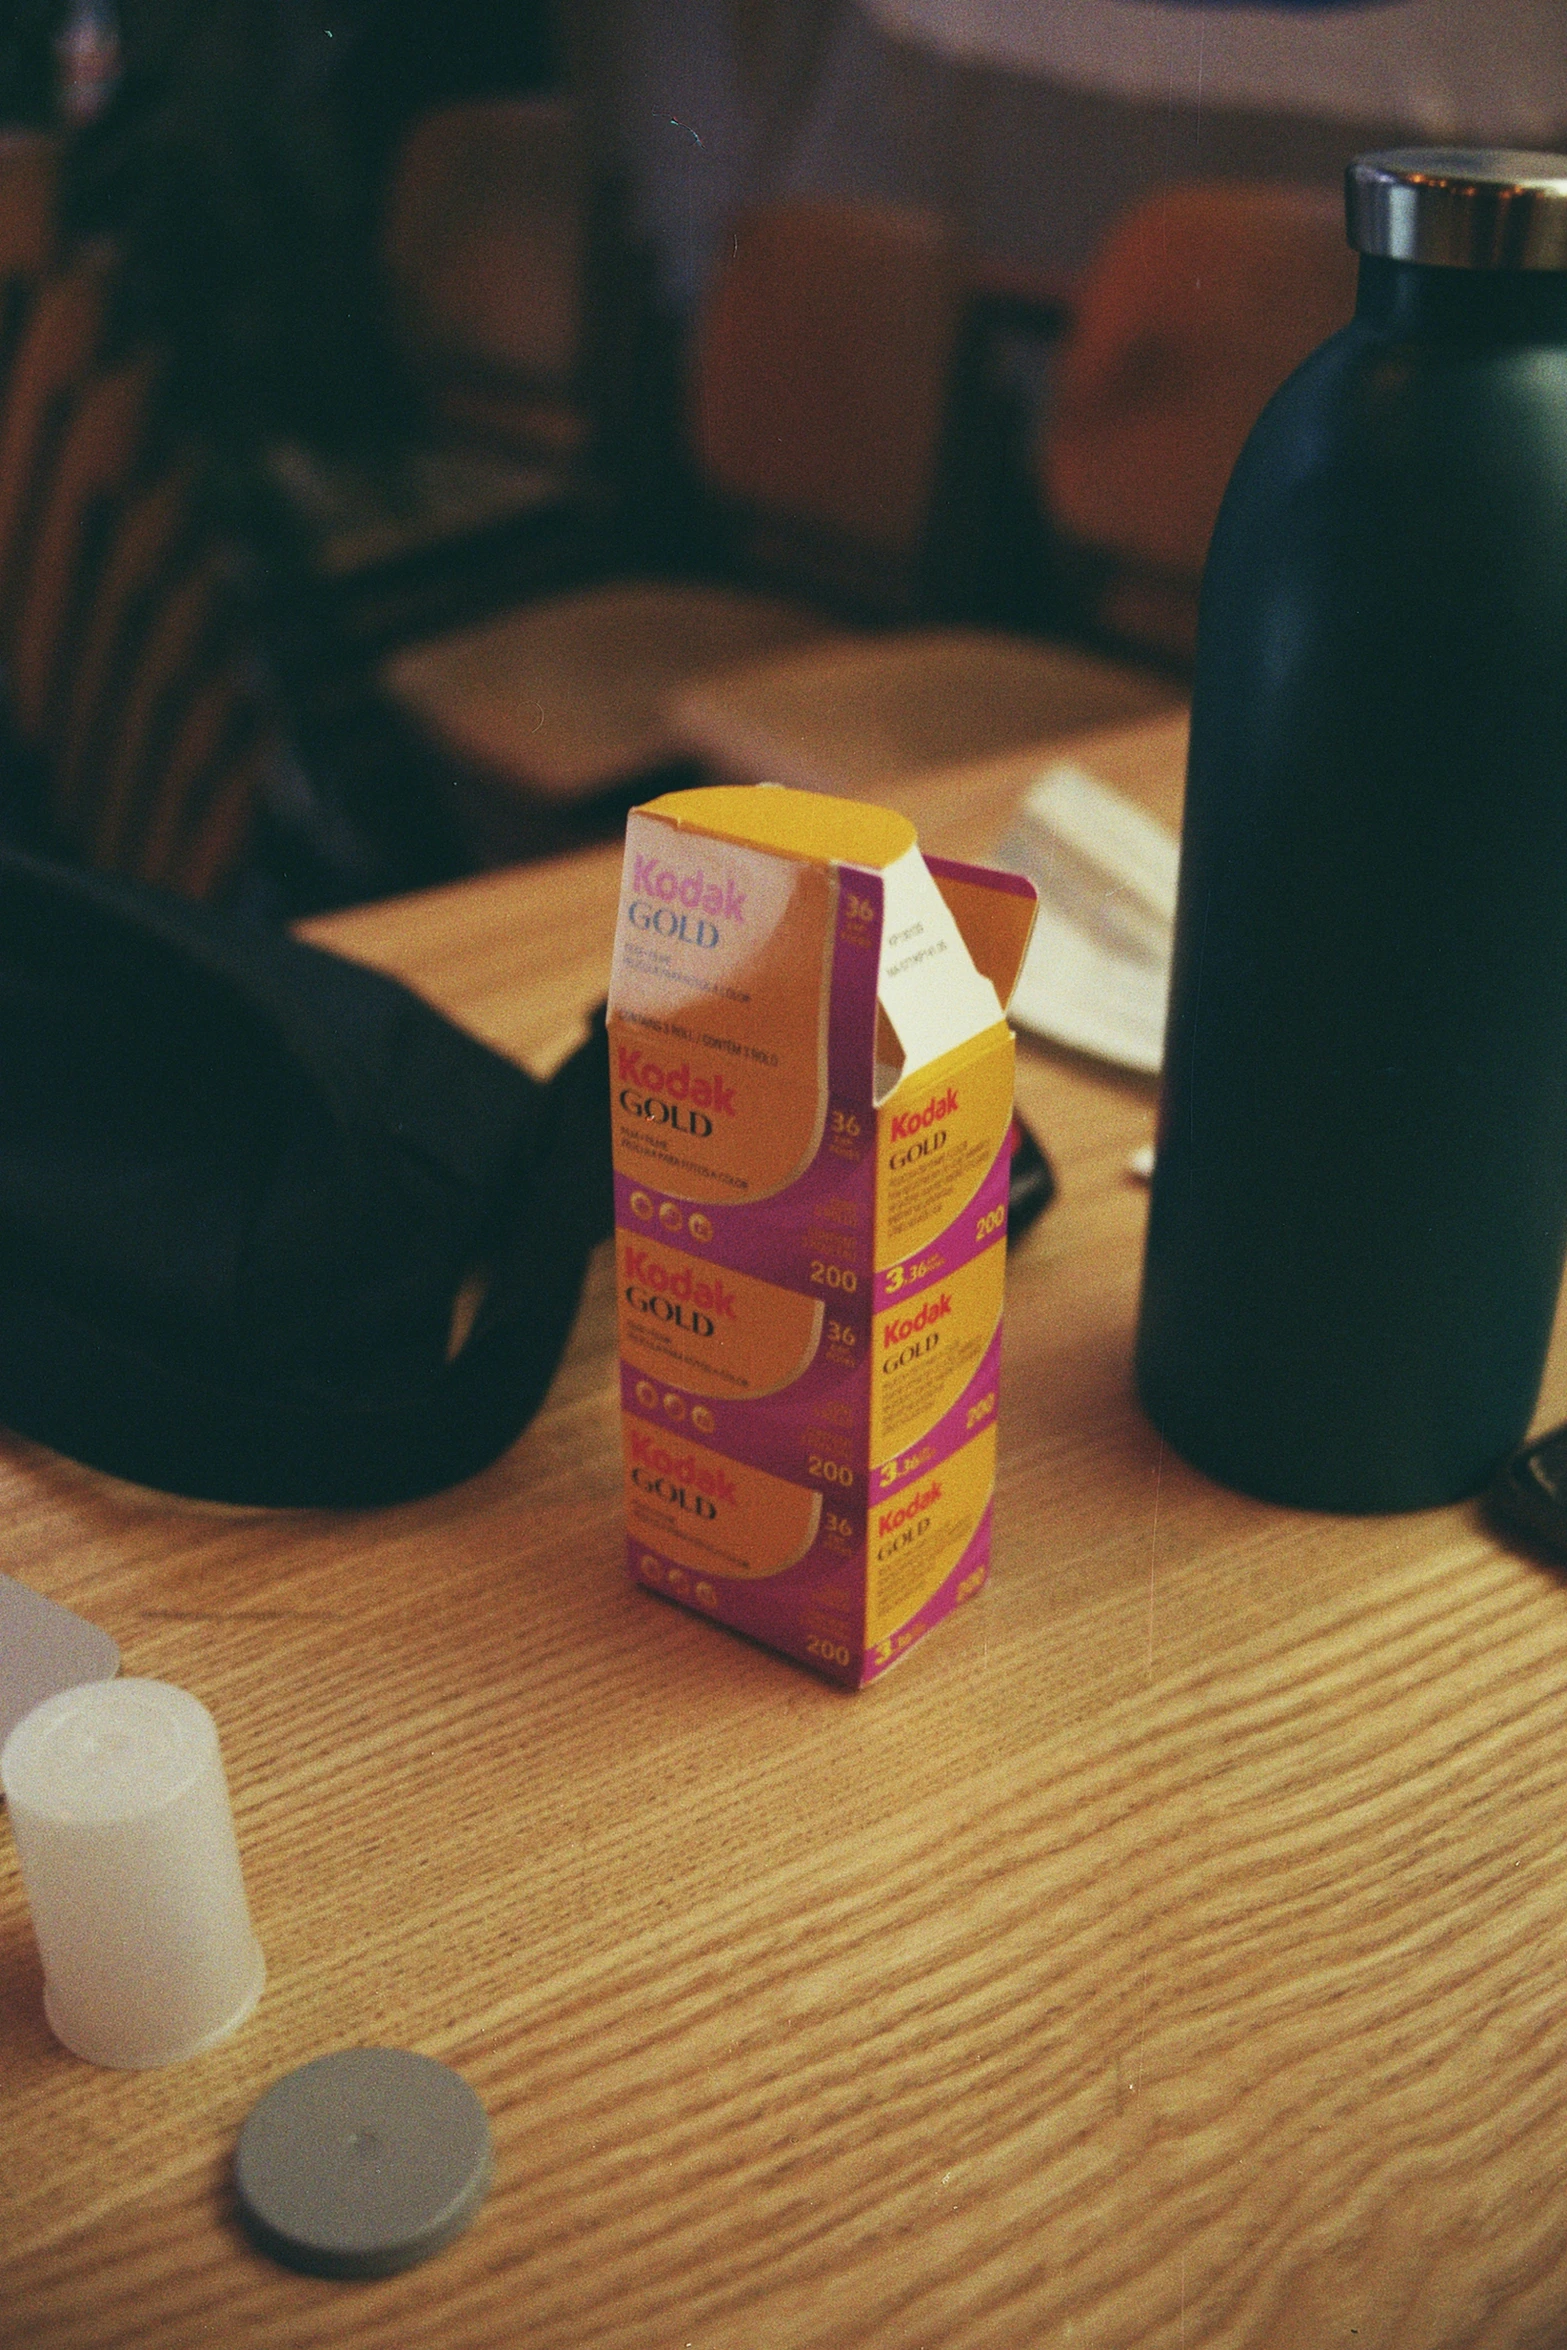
1170, 1952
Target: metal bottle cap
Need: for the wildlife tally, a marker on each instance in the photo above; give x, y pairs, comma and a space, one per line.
1460, 207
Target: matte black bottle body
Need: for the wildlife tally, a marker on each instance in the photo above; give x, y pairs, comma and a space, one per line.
1360, 1204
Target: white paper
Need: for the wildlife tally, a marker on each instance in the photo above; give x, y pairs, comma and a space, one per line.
1097, 973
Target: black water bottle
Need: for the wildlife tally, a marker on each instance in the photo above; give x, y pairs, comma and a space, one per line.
1360, 1201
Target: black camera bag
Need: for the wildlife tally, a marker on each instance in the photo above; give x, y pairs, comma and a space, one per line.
244, 1186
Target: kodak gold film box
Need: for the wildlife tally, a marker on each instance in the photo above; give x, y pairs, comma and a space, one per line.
811, 1094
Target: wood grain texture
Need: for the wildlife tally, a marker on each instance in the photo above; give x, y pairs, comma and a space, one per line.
1168, 1953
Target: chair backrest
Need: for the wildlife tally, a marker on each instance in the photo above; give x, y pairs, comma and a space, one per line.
165, 728
173, 647
127, 655
95, 459
53, 358
149, 538
822, 369
211, 754
484, 239
29, 167
1197, 306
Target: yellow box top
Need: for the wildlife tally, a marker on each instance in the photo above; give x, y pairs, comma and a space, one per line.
804, 824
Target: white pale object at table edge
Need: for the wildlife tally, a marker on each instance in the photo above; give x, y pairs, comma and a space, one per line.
1097, 973
1431, 69
120, 1809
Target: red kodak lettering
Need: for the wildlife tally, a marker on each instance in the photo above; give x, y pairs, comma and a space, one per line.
677, 1084
708, 1291
935, 1309
940, 1105
683, 1468
696, 890
901, 1512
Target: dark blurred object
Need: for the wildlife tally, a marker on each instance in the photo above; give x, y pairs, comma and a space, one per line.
1359, 1211
1191, 314
400, 64
242, 169
1032, 1184
241, 177
27, 66
88, 61
507, 288
29, 166
1528, 1494
484, 240
519, 306
272, 1230
240, 222
139, 725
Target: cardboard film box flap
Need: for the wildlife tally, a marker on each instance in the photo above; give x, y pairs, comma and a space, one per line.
952, 936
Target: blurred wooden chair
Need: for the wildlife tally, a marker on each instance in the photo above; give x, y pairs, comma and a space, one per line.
29, 167
53, 356
99, 452
854, 715
151, 534
185, 737
485, 246
818, 396
819, 390
132, 695
161, 729
1198, 305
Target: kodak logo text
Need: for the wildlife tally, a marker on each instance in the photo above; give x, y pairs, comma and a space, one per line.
649, 1272
907, 1122
677, 1084
888, 1521
650, 877
653, 1464
935, 1309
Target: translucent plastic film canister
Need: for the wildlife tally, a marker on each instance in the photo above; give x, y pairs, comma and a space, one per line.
121, 1815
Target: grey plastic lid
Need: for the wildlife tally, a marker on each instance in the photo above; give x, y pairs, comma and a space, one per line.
1460, 207
362, 2163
